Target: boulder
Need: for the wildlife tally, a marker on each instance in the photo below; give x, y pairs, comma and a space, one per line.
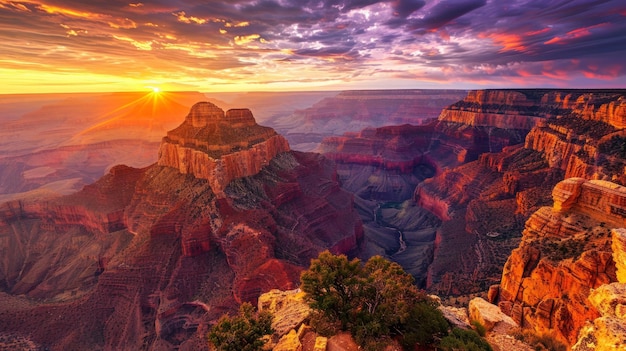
289, 309
289, 342
490, 316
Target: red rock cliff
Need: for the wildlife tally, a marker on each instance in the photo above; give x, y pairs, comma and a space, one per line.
565, 253
220, 147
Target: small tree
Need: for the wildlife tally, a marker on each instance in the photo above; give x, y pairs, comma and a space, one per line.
461, 339
375, 301
332, 284
243, 332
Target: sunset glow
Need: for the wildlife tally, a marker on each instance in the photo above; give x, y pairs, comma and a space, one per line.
74, 46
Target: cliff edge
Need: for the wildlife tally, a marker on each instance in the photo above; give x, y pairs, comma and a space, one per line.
565, 253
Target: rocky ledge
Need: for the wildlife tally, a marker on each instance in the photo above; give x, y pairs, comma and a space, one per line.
566, 252
220, 147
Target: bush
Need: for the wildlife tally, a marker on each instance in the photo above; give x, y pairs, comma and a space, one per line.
375, 301
243, 332
479, 328
541, 342
461, 339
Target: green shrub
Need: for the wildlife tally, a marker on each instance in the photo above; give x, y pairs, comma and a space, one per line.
461, 339
375, 301
243, 332
479, 328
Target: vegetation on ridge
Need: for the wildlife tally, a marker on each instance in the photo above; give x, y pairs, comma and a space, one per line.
375, 302
243, 332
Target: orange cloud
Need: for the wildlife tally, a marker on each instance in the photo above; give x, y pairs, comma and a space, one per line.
122, 23
241, 40
509, 42
55, 10
17, 6
608, 73
182, 17
574, 34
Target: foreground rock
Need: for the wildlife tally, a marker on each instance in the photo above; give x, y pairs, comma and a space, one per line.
289, 308
159, 252
490, 316
565, 253
608, 332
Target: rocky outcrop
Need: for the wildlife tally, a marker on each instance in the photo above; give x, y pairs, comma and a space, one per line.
289, 309
496, 108
220, 147
565, 253
490, 316
608, 332
524, 108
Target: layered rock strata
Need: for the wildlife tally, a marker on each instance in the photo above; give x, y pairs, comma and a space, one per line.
220, 147
149, 258
608, 332
565, 253
570, 134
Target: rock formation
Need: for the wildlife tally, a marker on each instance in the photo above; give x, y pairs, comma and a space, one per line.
289, 309
490, 316
608, 332
220, 147
565, 253
148, 258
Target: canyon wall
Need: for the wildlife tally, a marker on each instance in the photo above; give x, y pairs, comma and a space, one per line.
564, 254
608, 331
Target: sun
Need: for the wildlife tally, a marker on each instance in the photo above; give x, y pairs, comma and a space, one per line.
156, 90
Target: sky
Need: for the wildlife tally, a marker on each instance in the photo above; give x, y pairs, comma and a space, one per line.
286, 45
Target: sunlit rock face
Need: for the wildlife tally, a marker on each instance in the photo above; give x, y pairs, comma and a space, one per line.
220, 147
608, 332
148, 258
565, 253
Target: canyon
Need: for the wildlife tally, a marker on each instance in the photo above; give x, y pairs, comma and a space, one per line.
147, 257
493, 160
457, 190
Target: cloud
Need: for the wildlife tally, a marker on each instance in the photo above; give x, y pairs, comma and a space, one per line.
286, 40
445, 11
